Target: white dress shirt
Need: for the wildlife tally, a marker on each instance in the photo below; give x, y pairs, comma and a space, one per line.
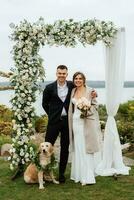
62, 93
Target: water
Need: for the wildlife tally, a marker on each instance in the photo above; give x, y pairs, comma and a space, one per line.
5, 96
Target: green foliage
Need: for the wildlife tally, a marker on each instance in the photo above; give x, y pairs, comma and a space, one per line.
5, 139
102, 115
126, 131
6, 114
41, 124
126, 111
124, 119
5, 128
102, 112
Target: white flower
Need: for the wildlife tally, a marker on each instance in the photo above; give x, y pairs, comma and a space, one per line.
25, 115
21, 143
18, 132
30, 125
26, 76
14, 108
14, 127
31, 148
21, 153
18, 110
15, 156
19, 105
16, 163
27, 159
21, 87
19, 117
25, 91
18, 160
27, 109
11, 167
12, 25
35, 31
28, 120
22, 101
25, 138
30, 91
32, 114
19, 99
29, 99
12, 150
21, 37
26, 155
23, 162
13, 121
13, 162
20, 44
23, 94
9, 157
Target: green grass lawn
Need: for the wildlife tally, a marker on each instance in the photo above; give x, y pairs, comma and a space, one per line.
106, 188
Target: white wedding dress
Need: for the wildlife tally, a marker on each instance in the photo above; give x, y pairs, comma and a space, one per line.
83, 164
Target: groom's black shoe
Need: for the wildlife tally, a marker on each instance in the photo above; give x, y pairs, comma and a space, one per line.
62, 178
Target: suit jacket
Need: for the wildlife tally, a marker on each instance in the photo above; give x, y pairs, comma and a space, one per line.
52, 104
92, 131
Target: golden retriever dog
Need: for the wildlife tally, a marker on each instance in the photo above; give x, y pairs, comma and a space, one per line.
33, 175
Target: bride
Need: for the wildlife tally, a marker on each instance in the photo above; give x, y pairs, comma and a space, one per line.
84, 131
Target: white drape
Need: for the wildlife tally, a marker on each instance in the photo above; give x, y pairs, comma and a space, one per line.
112, 161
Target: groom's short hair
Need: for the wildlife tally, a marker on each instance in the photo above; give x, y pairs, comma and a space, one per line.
62, 67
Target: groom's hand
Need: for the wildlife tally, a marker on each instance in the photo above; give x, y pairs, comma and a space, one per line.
94, 94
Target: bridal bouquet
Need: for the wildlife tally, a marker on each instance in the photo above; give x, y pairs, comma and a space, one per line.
84, 106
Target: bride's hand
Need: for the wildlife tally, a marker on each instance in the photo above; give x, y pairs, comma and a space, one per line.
94, 94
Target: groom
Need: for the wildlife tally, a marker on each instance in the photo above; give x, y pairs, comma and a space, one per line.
56, 99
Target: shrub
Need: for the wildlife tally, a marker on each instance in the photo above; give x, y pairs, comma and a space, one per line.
102, 112
126, 131
124, 119
6, 114
41, 124
5, 128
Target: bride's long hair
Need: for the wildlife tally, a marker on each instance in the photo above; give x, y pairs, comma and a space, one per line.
82, 75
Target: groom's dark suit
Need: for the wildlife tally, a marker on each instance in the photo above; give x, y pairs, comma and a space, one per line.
53, 106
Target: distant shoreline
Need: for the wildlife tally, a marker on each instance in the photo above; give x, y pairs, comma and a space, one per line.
93, 84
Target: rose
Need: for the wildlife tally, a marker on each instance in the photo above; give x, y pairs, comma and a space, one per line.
83, 105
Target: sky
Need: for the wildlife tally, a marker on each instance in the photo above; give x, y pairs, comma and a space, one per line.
89, 60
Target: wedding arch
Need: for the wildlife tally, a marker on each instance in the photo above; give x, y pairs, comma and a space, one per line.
29, 69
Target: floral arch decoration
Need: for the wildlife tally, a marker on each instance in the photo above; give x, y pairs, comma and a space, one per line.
29, 69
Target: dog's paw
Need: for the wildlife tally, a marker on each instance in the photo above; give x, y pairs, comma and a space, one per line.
56, 182
41, 187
